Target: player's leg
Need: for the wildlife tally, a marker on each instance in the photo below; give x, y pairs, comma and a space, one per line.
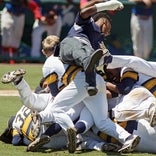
105, 124
148, 37
74, 112
93, 142
62, 102
6, 31
148, 137
57, 142
38, 30
79, 52
138, 104
17, 33
85, 121
29, 99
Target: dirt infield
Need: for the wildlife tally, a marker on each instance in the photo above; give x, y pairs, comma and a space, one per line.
9, 93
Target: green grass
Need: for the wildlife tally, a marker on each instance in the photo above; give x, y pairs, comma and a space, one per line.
33, 74
10, 105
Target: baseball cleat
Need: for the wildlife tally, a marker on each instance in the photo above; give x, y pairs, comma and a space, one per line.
35, 124
13, 76
152, 114
110, 147
131, 142
38, 143
94, 58
71, 134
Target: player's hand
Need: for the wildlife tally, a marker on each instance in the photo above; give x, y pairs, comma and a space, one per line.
43, 20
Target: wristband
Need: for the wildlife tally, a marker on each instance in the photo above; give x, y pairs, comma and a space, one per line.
109, 5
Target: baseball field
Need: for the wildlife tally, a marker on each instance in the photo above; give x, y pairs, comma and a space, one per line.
10, 103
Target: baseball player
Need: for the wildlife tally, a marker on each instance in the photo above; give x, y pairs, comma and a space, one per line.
77, 93
75, 98
50, 70
141, 26
91, 141
20, 129
33, 102
50, 22
139, 127
138, 101
22, 87
39, 102
135, 101
82, 46
125, 60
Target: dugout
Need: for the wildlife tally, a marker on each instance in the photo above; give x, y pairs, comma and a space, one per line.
120, 28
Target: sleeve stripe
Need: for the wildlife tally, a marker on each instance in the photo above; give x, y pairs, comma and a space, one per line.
130, 74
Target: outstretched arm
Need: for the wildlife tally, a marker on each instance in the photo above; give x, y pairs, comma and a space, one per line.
95, 6
91, 3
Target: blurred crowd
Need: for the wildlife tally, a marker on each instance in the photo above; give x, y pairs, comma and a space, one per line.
50, 18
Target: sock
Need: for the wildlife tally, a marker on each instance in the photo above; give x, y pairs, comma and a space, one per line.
80, 127
53, 129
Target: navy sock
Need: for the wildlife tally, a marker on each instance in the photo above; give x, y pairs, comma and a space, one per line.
80, 127
53, 129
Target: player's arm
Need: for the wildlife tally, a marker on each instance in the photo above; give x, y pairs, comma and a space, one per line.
52, 81
112, 90
128, 79
87, 3
95, 6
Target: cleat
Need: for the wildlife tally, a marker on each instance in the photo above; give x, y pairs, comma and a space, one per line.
92, 90
95, 57
71, 134
35, 124
38, 143
152, 114
131, 142
110, 147
13, 76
